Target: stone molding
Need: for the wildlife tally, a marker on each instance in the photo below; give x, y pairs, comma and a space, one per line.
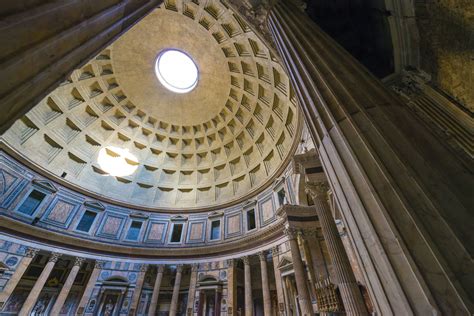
317, 189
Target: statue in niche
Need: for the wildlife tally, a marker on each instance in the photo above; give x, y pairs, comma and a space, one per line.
109, 308
41, 305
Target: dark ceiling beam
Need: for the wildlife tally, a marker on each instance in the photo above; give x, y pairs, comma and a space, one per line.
42, 42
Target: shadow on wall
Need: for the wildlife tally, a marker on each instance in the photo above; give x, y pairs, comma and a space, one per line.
447, 46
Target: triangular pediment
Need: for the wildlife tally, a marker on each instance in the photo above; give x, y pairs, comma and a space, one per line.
284, 262
178, 218
46, 185
94, 205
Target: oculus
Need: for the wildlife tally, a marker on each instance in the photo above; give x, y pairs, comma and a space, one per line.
176, 71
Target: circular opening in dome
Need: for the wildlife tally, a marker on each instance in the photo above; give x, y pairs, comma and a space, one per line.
176, 71
117, 162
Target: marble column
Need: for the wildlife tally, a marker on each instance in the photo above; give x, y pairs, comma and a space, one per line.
16, 276
231, 287
177, 284
192, 289
345, 279
67, 286
405, 198
156, 290
267, 301
36, 290
309, 263
300, 274
138, 289
278, 283
81, 307
248, 287
317, 257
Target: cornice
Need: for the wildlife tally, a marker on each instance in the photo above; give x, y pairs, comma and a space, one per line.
257, 241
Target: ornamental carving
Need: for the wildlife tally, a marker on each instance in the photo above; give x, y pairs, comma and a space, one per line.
78, 261
317, 189
99, 264
54, 257
31, 252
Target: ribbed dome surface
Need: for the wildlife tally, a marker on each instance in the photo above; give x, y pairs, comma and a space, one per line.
219, 143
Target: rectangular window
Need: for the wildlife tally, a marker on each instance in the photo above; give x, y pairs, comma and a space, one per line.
177, 232
134, 230
215, 230
251, 220
32, 202
281, 196
86, 221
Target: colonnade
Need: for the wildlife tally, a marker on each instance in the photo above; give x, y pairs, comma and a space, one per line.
307, 260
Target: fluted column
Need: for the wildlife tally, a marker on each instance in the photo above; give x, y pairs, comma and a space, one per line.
89, 287
309, 263
177, 284
267, 302
248, 287
67, 286
192, 289
317, 257
406, 200
231, 287
16, 276
300, 274
278, 282
138, 289
156, 290
36, 290
345, 279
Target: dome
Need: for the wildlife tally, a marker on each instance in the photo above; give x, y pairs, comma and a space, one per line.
115, 130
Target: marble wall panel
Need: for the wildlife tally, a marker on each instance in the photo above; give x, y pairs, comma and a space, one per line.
196, 231
233, 224
266, 212
111, 226
156, 232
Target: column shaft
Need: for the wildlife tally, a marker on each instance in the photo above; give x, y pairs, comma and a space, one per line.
177, 284
89, 287
248, 288
192, 289
138, 289
278, 283
267, 302
300, 275
67, 287
309, 262
16, 276
36, 290
345, 279
406, 200
231, 288
156, 291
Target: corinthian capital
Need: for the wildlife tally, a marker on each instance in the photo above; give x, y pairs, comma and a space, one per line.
31, 252
291, 233
78, 261
246, 260
317, 189
54, 257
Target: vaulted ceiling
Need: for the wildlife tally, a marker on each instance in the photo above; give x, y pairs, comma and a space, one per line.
220, 143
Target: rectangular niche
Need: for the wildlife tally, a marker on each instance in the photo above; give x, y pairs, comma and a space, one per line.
176, 233
215, 233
